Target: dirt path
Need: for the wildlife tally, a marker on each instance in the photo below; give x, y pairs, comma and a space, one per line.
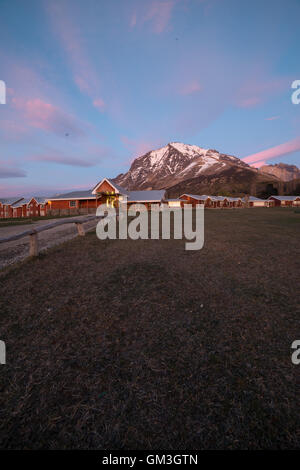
15, 251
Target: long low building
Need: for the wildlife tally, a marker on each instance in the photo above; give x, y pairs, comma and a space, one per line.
285, 201
255, 202
30, 207
107, 193
110, 194
6, 204
212, 201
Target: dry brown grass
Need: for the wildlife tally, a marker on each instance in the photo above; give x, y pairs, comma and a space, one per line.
142, 345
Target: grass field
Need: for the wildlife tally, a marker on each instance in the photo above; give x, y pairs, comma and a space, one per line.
142, 345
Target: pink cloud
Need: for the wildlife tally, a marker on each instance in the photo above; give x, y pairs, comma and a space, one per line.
42, 115
191, 87
139, 147
99, 103
13, 129
273, 152
157, 14
249, 102
133, 20
258, 89
68, 32
259, 164
272, 118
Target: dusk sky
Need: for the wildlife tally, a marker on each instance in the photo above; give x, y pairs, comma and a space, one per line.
93, 84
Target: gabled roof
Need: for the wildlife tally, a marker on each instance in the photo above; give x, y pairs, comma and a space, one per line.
21, 202
117, 187
284, 198
252, 199
10, 201
27, 200
73, 195
219, 198
40, 199
175, 200
197, 197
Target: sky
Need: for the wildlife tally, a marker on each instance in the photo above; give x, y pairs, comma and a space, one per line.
92, 84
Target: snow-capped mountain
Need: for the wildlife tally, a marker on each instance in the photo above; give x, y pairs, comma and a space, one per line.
174, 163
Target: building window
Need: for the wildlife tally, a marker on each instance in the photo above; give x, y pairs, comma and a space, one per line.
72, 203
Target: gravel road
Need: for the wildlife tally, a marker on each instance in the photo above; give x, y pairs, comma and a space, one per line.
15, 251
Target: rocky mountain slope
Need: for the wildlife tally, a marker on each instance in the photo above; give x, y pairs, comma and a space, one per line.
181, 168
178, 162
231, 182
282, 171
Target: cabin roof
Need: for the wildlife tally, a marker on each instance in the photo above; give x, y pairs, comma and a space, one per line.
175, 200
197, 197
119, 188
285, 198
74, 195
10, 201
22, 202
40, 199
253, 198
146, 196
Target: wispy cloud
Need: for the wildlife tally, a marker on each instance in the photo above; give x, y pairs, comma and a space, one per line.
156, 13
139, 147
279, 150
191, 87
62, 159
99, 103
258, 89
272, 118
260, 164
93, 155
69, 33
10, 172
42, 115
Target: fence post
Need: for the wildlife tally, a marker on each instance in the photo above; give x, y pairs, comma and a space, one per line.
80, 228
33, 245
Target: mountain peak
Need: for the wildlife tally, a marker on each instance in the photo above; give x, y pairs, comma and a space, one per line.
175, 162
187, 148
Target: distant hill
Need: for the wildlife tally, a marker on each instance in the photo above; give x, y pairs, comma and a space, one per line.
282, 171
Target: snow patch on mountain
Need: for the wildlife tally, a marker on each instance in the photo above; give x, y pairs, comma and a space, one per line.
175, 162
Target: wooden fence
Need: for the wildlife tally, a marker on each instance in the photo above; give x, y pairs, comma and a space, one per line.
33, 233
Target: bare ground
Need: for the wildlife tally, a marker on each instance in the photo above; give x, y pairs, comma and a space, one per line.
143, 345
15, 251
